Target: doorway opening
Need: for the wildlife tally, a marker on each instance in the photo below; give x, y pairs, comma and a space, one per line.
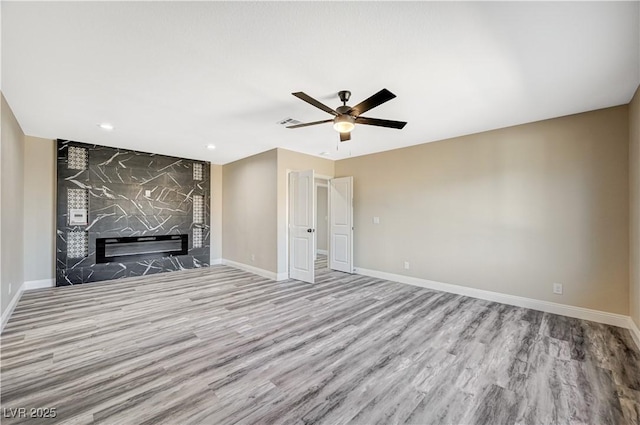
319, 223
322, 223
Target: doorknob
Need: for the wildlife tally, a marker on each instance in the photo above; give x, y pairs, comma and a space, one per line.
311, 230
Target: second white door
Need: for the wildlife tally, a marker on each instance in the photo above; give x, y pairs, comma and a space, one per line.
302, 210
341, 224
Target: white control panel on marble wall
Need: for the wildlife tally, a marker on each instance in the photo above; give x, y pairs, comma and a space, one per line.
77, 217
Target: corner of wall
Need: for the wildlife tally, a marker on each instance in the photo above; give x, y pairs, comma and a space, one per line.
634, 209
8, 310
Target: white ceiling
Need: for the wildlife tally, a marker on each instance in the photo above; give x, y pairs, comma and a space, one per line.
173, 77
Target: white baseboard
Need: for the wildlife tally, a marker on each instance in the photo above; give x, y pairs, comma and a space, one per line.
38, 284
26, 286
9, 310
215, 262
322, 251
635, 331
282, 276
546, 306
255, 270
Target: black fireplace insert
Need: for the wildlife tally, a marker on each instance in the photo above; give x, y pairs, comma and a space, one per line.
133, 248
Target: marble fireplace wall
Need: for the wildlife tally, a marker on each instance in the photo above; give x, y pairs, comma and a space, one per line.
127, 193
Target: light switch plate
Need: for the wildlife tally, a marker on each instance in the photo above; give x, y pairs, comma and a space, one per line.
147, 193
376, 220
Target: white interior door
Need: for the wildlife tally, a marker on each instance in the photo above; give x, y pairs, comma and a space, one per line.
302, 210
341, 224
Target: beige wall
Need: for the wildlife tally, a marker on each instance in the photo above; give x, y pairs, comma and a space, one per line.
249, 194
39, 208
293, 161
322, 214
634, 203
512, 210
11, 206
216, 213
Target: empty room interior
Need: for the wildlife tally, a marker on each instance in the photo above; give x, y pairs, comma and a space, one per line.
320, 213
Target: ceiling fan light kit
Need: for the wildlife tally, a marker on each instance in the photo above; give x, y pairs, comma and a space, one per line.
344, 123
346, 117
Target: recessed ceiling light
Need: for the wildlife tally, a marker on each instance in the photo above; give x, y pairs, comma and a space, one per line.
210, 146
106, 126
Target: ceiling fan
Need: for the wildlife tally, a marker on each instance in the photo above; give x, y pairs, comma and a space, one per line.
346, 117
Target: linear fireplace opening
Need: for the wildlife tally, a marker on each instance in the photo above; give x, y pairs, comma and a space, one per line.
132, 248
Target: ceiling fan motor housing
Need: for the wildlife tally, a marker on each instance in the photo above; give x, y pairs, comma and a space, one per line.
344, 96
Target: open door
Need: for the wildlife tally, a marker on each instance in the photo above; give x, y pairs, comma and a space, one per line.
302, 210
341, 224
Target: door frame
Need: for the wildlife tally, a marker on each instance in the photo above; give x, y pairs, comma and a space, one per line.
286, 227
326, 186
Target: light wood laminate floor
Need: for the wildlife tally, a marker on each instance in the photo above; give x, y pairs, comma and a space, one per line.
223, 346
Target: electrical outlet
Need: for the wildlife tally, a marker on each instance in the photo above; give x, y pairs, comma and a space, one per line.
406, 265
9, 288
253, 258
376, 220
557, 288
147, 193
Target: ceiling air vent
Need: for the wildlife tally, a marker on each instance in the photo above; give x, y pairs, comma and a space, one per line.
288, 121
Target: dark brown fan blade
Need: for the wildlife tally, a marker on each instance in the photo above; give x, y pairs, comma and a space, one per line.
312, 101
307, 124
377, 99
345, 137
381, 123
